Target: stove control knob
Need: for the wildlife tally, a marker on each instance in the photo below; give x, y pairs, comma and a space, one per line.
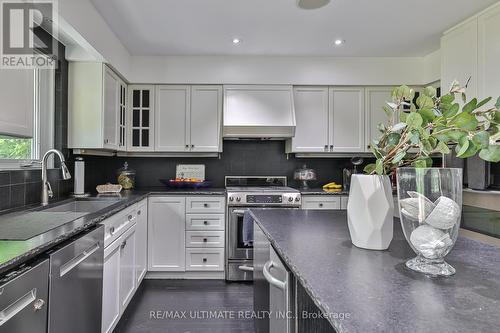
290, 199
238, 199
297, 199
231, 198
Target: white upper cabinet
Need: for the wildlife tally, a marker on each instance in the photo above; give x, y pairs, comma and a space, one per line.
205, 119
347, 134
489, 54
459, 57
311, 113
140, 118
96, 103
16, 95
375, 99
171, 118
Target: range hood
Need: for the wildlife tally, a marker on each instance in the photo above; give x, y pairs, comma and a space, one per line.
258, 111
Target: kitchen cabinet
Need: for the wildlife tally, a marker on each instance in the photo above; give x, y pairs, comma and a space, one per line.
188, 118
347, 122
96, 102
312, 115
127, 267
488, 55
321, 202
205, 119
141, 246
141, 118
459, 57
375, 99
111, 286
166, 233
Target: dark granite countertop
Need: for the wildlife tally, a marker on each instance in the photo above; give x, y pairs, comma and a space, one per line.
319, 191
16, 252
374, 287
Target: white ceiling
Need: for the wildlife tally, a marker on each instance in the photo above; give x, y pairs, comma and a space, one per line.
278, 27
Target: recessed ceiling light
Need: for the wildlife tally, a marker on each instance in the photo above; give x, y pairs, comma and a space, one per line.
236, 41
339, 42
312, 4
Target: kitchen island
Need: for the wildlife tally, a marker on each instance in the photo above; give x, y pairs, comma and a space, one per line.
372, 291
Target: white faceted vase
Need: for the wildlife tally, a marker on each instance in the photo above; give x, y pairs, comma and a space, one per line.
370, 211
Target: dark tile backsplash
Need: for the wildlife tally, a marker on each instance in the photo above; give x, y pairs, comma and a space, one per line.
240, 158
23, 187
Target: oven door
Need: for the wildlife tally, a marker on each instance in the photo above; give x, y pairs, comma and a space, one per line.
237, 249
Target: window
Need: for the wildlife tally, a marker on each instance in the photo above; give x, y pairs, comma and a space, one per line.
17, 150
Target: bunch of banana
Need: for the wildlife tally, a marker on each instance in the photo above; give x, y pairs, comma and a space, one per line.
332, 187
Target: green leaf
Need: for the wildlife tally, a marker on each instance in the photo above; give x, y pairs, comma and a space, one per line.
491, 154
469, 107
425, 102
369, 168
424, 162
483, 102
430, 91
466, 148
453, 110
427, 115
379, 167
496, 117
456, 135
447, 99
414, 120
403, 116
393, 139
465, 121
399, 156
375, 150
443, 148
497, 104
426, 146
481, 139
415, 137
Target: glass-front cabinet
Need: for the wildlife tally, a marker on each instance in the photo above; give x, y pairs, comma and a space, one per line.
141, 118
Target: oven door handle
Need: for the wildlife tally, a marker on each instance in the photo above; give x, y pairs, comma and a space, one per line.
240, 212
246, 268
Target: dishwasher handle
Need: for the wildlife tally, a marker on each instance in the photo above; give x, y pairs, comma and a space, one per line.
270, 278
17, 306
71, 264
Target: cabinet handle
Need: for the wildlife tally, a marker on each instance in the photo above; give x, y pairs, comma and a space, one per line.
38, 304
326, 147
17, 306
205, 222
205, 205
271, 279
112, 230
205, 240
368, 146
187, 146
331, 147
192, 146
138, 212
321, 205
204, 259
124, 244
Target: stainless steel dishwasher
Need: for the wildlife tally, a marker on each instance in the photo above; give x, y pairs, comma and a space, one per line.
75, 287
23, 299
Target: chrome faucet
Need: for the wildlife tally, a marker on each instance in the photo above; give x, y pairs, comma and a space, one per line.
46, 188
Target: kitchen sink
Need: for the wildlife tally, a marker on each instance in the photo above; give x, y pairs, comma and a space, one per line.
81, 206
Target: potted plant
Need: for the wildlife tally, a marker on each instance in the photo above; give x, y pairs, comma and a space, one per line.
430, 199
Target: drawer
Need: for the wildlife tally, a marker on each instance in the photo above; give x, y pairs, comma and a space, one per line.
205, 222
343, 202
204, 259
321, 202
115, 225
205, 239
205, 204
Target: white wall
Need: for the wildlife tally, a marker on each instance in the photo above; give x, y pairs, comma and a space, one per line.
86, 20
277, 70
432, 67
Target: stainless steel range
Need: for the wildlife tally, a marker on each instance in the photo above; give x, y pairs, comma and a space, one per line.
242, 194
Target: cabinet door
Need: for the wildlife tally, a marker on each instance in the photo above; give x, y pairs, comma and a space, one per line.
141, 254
459, 57
111, 108
347, 120
171, 118
122, 117
166, 233
206, 118
375, 99
127, 267
489, 55
311, 112
111, 286
140, 118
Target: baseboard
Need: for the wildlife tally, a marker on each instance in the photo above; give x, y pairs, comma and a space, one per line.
186, 275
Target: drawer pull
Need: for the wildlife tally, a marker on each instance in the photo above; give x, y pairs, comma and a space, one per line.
124, 244
130, 217
204, 259
205, 205
138, 212
321, 205
205, 240
205, 222
112, 230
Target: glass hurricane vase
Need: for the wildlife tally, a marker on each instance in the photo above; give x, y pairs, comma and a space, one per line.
430, 208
